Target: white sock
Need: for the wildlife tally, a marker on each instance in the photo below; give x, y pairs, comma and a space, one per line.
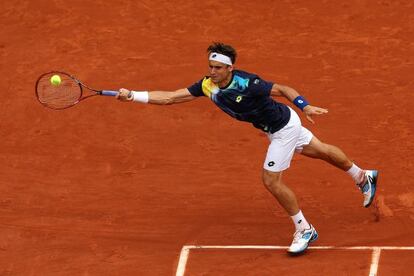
356, 173
300, 222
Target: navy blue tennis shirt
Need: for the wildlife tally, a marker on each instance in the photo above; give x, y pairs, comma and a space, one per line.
246, 98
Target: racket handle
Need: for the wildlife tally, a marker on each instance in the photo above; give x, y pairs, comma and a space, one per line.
109, 93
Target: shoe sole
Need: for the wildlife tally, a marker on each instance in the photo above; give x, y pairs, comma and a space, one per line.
373, 188
314, 238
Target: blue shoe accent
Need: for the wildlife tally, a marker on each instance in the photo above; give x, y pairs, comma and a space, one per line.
369, 187
314, 237
301, 240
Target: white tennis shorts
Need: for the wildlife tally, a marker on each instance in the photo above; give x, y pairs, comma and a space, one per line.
285, 142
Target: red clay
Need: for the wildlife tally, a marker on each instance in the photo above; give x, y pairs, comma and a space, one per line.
266, 263
109, 188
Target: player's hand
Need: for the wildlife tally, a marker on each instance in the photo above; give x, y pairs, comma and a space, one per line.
124, 95
310, 110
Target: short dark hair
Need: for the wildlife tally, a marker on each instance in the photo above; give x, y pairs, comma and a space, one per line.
224, 49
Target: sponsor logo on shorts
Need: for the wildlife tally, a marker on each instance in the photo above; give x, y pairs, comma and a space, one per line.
271, 164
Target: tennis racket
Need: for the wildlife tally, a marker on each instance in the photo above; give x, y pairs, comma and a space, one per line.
65, 94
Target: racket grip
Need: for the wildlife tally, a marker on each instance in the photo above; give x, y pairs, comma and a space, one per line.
109, 93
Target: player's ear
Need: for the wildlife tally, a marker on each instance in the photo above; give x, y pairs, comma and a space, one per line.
231, 68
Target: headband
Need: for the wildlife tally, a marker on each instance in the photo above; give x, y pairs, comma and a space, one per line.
220, 58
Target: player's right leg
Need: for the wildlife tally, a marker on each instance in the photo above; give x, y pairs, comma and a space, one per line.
279, 155
284, 195
366, 180
305, 233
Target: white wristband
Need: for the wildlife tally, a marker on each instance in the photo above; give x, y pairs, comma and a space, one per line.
140, 96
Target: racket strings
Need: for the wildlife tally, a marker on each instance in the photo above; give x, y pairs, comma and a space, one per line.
58, 96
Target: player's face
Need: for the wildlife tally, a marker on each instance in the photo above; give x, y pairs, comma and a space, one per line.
219, 72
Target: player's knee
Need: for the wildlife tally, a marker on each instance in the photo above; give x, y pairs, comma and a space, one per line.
330, 151
324, 150
271, 180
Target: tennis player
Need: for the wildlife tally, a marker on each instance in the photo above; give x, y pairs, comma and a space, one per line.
247, 97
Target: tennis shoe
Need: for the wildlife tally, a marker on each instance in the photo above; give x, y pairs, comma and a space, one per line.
301, 240
368, 186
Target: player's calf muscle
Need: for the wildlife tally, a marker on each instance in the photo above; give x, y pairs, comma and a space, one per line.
338, 158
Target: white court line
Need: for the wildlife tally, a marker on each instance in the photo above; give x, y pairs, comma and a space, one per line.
182, 263
285, 247
376, 252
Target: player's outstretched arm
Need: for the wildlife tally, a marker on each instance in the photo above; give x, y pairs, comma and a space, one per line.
293, 96
156, 97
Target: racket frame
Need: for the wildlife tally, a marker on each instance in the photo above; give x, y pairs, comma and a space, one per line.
81, 86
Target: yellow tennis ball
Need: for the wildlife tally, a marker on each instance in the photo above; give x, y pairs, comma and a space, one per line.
55, 80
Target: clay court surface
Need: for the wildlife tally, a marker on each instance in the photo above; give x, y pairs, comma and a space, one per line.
109, 188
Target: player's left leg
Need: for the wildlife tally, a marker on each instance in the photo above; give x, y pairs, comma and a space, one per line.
366, 180
329, 153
